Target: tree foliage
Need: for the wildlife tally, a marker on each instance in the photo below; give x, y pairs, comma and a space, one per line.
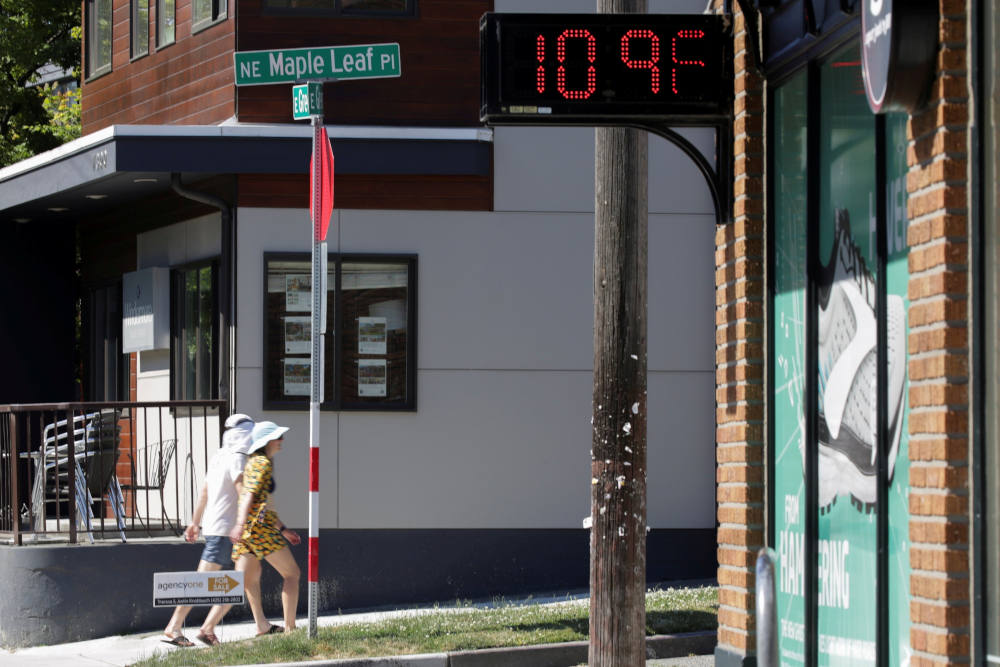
33, 34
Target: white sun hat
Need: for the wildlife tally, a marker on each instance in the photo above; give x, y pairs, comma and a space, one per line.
263, 433
237, 437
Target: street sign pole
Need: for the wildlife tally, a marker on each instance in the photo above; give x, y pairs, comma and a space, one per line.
314, 65
316, 364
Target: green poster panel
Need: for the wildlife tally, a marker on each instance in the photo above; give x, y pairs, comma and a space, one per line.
847, 565
788, 364
897, 282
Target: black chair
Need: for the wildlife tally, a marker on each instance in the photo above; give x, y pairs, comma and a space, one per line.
149, 470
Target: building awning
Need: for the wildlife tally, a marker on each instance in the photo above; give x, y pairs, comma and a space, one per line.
125, 162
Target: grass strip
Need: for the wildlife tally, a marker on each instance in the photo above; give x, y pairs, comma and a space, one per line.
459, 628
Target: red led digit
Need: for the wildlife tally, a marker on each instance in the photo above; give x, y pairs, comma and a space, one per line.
654, 56
591, 57
540, 56
683, 34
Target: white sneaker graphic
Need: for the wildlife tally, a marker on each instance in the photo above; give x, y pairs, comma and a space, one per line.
847, 375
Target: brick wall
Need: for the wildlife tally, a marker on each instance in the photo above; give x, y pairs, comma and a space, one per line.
939, 357
739, 357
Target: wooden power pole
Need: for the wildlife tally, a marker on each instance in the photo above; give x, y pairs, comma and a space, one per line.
618, 453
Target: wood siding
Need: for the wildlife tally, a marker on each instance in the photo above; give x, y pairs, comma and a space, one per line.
189, 82
439, 48
396, 191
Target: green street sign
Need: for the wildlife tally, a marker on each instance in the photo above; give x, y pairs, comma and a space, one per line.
320, 63
307, 100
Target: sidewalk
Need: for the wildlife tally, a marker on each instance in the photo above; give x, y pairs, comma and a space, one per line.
127, 649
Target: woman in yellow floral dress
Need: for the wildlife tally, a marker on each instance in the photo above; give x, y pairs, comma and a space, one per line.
260, 535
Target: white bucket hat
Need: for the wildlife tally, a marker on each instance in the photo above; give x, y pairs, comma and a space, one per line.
237, 437
263, 433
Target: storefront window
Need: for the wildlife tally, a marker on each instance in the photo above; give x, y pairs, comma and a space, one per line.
788, 365
369, 352
846, 356
825, 188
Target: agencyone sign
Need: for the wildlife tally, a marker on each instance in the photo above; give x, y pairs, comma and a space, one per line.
197, 588
321, 63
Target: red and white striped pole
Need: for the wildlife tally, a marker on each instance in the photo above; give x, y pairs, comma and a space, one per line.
322, 209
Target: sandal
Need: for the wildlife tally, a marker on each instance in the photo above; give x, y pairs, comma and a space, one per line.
207, 638
273, 630
179, 640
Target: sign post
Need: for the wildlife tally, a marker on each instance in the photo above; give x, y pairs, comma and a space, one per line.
310, 67
321, 208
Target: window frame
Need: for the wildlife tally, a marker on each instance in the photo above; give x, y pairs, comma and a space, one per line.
91, 19
177, 325
219, 14
134, 22
338, 10
334, 399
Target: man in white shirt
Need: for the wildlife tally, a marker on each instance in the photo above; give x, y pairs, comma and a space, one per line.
214, 516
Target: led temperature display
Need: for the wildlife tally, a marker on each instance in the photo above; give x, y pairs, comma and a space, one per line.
551, 67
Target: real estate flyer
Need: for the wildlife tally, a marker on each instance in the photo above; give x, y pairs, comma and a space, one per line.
371, 335
371, 377
297, 377
298, 330
298, 292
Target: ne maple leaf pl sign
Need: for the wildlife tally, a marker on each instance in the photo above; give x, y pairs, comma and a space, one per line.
320, 63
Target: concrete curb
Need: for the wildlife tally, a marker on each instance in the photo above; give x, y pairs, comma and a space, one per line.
543, 655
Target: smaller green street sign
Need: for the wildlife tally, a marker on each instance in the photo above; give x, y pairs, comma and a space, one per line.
307, 100
320, 63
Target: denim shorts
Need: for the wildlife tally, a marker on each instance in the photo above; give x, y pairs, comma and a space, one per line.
218, 549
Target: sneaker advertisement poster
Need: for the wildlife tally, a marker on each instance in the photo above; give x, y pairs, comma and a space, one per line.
846, 446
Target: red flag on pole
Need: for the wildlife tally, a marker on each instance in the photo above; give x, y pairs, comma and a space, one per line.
321, 222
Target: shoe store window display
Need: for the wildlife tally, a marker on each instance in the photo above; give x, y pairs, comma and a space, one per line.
260, 535
213, 518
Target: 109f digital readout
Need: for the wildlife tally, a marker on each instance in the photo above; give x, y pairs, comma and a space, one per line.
576, 68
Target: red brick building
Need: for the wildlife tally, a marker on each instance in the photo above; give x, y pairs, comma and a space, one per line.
856, 297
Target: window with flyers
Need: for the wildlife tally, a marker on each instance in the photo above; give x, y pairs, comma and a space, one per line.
369, 351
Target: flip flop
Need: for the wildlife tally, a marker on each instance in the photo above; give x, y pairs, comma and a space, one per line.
273, 630
207, 638
179, 640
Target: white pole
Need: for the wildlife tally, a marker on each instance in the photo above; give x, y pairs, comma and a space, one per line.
316, 368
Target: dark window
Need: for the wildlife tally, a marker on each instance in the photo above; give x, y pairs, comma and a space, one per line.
98, 37
344, 7
106, 367
140, 28
194, 334
370, 346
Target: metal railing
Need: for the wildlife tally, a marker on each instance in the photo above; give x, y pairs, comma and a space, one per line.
113, 470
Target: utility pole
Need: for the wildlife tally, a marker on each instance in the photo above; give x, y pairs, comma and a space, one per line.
618, 453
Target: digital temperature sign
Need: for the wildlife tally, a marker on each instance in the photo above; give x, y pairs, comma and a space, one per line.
601, 68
